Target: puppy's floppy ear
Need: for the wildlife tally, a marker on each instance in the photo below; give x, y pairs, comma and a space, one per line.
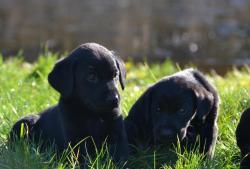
140, 114
207, 97
122, 70
61, 77
205, 101
138, 123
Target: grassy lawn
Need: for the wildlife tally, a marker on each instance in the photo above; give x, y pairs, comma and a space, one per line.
24, 89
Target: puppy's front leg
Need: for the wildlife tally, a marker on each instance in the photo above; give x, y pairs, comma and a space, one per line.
208, 138
117, 138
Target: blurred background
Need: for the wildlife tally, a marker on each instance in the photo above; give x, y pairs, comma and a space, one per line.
209, 33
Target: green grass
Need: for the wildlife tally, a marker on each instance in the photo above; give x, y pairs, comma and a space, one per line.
24, 89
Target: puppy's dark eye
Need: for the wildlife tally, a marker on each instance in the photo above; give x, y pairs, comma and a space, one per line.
181, 111
158, 109
92, 78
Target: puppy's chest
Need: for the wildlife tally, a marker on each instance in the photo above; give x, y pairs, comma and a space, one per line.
89, 127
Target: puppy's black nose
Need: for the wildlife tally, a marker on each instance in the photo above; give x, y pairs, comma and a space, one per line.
113, 100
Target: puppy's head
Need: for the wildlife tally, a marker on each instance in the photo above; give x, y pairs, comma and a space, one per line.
174, 103
90, 74
173, 107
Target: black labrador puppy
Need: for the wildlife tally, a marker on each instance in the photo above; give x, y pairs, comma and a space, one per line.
243, 138
183, 106
89, 103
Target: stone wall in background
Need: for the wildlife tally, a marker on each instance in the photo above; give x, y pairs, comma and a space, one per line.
205, 31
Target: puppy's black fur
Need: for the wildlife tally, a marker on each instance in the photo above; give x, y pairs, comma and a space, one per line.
245, 163
243, 137
89, 103
184, 105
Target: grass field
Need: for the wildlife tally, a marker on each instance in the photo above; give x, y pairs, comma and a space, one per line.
24, 89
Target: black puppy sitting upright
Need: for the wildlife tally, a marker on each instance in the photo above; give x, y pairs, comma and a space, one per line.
183, 105
89, 103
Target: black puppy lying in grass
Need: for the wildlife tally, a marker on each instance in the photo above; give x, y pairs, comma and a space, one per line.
243, 138
89, 104
183, 106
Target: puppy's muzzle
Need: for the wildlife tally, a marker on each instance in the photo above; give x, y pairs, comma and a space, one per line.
112, 100
167, 135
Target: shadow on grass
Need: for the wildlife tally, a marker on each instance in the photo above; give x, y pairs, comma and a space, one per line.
25, 154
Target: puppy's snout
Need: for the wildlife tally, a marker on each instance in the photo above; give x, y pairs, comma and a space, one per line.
113, 100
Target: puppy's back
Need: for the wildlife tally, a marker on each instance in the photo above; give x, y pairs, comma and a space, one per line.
195, 76
242, 133
41, 128
23, 127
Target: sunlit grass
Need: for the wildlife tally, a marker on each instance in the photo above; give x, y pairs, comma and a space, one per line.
24, 90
